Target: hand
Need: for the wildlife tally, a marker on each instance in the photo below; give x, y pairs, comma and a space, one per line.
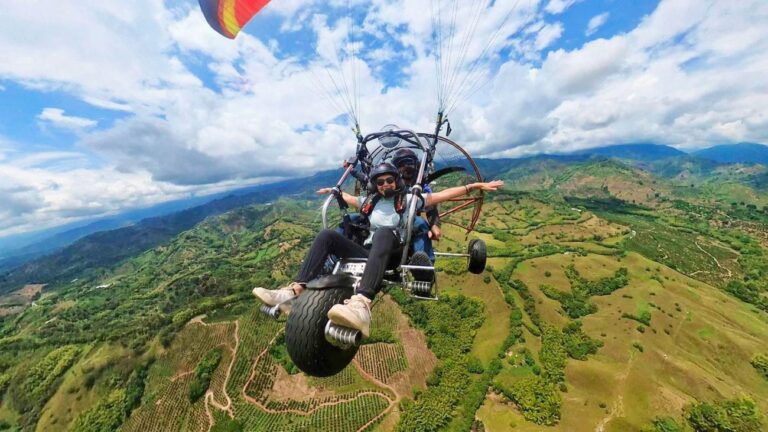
324, 191
435, 233
492, 186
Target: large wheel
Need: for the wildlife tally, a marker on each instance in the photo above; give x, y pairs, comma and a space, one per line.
477, 256
305, 328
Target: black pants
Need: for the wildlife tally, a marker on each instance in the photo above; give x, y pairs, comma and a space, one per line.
385, 246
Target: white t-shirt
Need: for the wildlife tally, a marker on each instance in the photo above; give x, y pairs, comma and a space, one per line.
384, 214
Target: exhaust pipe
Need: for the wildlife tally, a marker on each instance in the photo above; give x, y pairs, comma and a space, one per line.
420, 288
342, 337
270, 311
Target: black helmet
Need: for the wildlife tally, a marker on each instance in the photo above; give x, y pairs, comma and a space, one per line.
403, 156
380, 170
384, 168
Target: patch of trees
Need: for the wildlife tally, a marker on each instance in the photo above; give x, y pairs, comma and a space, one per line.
643, 318
110, 412
30, 389
748, 291
538, 396
578, 344
201, 380
5, 379
729, 415
529, 303
227, 425
450, 325
737, 415
759, 362
106, 416
577, 303
279, 351
515, 334
134, 388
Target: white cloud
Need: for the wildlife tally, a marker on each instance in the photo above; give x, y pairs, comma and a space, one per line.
107, 104
547, 35
559, 6
596, 22
112, 51
689, 75
57, 118
36, 198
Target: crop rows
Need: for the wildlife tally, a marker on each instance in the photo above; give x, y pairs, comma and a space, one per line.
194, 341
382, 360
263, 379
340, 417
308, 405
346, 377
171, 411
256, 331
219, 377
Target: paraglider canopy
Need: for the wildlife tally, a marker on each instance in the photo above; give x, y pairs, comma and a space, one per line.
229, 16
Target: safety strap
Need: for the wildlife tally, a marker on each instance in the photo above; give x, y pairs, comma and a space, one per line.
370, 202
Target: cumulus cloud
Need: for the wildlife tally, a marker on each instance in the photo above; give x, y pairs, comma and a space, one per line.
34, 196
596, 22
559, 6
690, 74
547, 35
57, 118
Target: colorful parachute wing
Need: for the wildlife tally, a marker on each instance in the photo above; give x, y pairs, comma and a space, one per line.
228, 17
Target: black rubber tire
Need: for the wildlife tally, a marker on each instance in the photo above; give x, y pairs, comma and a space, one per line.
477, 256
305, 332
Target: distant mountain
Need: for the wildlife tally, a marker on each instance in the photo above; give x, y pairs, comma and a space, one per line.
748, 153
18, 249
637, 152
106, 248
30, 245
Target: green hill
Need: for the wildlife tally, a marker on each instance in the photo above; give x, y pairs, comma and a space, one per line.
595, 313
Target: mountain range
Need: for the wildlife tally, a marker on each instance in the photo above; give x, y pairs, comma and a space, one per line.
122, 236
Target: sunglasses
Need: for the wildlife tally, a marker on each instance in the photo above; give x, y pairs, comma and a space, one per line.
383, 181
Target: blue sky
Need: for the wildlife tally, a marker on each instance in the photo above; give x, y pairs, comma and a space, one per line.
112, 106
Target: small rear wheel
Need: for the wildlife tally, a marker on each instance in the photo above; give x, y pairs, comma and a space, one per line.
305, 327
477, 256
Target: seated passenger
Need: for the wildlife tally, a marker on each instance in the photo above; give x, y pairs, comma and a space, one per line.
424, 232
385, 209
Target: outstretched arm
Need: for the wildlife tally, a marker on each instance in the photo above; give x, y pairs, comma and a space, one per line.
351, 200
455, 192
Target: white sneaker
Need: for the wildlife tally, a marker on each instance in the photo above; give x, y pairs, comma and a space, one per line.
355, 313
278, 296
